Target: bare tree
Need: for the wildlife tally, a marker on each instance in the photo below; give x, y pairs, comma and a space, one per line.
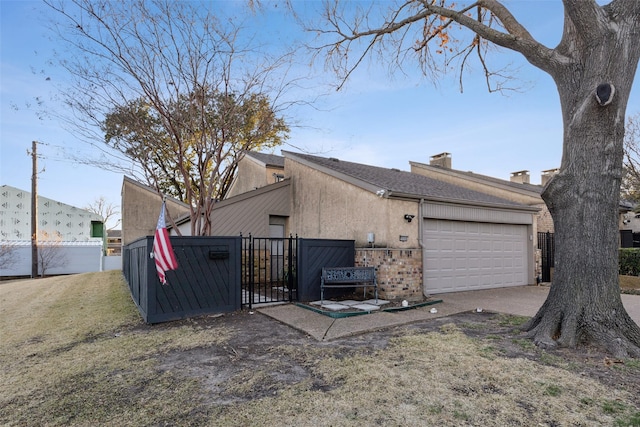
105, 209
50, 253
630, 190
593, 67
145, 73
8, 255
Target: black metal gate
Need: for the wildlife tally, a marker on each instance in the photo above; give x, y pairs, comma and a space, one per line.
269, 268
546, 245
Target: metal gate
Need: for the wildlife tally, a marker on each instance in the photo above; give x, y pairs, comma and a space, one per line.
546, 244
269, 268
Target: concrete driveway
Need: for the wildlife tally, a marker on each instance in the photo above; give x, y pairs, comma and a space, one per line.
521, 300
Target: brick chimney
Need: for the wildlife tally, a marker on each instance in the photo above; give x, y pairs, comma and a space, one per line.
442, 160
546, 175
521, 177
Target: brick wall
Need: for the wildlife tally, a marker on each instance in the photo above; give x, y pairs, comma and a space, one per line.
398, 271
544, 220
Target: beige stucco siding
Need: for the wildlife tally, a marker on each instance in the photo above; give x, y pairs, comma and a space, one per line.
140, 211
329, 208
249, 177
252, 175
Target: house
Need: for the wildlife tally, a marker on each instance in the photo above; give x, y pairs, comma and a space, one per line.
76, 236
424, 235
140, 208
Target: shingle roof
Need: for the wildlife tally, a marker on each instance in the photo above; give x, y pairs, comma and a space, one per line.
402, 183
267, 159
489, 179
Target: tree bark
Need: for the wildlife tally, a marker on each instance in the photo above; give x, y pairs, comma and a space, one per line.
584, 301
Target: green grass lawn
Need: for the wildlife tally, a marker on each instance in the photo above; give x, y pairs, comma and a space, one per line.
74, 352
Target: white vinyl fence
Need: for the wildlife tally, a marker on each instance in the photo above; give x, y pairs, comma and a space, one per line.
64, 258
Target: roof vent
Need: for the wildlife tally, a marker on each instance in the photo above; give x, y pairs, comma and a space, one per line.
333, 159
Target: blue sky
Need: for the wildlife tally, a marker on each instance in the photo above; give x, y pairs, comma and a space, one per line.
375, 119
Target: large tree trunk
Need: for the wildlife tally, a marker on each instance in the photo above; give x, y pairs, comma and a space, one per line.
584, 300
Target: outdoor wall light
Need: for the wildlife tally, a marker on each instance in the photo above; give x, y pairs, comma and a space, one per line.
409, 217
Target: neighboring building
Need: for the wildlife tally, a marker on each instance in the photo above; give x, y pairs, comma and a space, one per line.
56, 219
517, 189
425, 235
76, 235
140, 210
114, 242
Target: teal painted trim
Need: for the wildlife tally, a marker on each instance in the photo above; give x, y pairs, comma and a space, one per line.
411, 307
334, 314
343, 314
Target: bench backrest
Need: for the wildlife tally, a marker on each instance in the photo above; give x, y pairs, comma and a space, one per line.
348, 274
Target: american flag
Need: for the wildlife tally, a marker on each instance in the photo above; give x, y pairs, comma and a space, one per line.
162, 250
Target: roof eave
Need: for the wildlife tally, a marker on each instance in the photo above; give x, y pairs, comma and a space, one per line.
525, 208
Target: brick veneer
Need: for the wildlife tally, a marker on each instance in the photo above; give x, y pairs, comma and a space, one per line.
398, 271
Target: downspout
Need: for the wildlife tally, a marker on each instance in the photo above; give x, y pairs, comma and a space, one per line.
420, 222
420, 242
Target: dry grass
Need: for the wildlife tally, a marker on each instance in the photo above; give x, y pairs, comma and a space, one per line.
630, 284
71, 354
74, 352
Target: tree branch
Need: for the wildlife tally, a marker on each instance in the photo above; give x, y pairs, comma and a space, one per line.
516, 37
584, 15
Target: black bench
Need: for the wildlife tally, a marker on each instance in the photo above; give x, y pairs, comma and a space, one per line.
348, 277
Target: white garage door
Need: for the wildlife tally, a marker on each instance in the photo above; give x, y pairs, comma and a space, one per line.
463, 256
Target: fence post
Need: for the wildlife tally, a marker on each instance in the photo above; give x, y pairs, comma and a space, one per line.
290, 269
251, 267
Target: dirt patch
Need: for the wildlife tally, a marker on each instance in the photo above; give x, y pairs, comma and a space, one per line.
263, 357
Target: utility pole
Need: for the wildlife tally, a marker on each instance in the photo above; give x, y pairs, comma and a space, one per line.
34, 211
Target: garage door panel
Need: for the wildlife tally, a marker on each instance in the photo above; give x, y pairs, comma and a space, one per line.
462, 255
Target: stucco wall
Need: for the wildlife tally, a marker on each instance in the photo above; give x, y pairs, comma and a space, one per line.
327, 207
252, 175
140, 210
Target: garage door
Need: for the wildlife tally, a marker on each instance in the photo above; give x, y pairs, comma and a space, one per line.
463, 256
